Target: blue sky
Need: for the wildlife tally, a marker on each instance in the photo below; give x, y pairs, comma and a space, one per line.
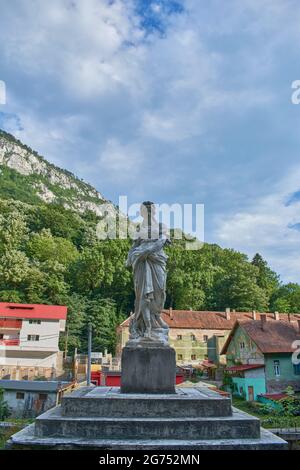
173, 101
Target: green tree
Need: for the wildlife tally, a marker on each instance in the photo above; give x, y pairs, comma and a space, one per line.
286, 298
35, 285
14, 267
77, 306
102, 314
56, 287
266, 279
236, 284
4, 408
89, 270
43, 246
13, 231
11, 295
61, 221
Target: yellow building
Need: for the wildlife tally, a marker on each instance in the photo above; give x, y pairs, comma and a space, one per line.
196, 336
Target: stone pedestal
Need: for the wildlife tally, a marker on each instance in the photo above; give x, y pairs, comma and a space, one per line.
102, 418
148, 368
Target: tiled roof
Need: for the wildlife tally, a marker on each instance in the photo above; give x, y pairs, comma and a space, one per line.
275, 396
208, 320
49, 312
244, 367
274, 337
208, 364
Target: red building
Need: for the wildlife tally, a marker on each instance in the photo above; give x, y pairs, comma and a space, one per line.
113, 378
29, 335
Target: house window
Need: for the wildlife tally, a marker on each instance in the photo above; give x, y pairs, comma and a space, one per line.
179, 357
193, 357
277, 368
193, 337
205, 338
297, 369
20, 395
33, 337
43, 396
179, 337
242, 345
35, 322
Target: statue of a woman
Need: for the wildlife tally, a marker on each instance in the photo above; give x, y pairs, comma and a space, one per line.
148, 261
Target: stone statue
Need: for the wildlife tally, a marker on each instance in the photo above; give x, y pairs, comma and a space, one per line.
148, 261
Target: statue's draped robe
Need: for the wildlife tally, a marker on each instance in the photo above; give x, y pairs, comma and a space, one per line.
148, 261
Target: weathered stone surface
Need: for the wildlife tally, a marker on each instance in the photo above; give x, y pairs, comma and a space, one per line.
108, 401
238, 426
148, 369
104, 423
26, 439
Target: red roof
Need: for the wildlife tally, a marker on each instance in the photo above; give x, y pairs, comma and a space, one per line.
244, 367
208, 364
275, 396
207, 320
49, 312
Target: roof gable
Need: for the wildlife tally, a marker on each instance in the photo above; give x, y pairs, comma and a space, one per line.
275, 337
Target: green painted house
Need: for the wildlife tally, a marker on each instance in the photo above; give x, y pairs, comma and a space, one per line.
259, 357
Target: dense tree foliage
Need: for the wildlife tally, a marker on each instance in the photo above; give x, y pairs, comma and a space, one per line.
286, 298
49, 254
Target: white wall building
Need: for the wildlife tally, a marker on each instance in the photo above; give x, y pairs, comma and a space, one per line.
29, 336
29, 398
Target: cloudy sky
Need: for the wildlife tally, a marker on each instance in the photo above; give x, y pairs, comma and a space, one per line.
183, 101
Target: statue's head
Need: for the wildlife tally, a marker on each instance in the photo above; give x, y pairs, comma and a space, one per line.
147, 210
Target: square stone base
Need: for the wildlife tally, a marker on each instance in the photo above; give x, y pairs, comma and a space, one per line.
148, 369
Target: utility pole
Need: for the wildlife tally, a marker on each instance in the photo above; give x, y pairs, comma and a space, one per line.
75, 366
66, 342
89, 354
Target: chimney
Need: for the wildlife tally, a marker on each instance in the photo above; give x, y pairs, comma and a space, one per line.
227, 313
263, 320
171, 313
253, 314
276, 316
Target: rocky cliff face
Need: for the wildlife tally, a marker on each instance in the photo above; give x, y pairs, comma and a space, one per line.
20, 164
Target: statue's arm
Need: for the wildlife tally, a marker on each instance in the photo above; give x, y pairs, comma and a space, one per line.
153, 248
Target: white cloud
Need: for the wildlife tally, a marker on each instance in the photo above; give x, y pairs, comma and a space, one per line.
98, 94
75, 42
117, 159
265, 226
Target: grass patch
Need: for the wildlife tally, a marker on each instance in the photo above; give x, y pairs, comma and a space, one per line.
5, 434
268, 420
16, 425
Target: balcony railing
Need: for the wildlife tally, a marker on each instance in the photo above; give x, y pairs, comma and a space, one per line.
17, 324
9, 342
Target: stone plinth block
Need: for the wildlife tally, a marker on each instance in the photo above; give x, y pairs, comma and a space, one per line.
148, 369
